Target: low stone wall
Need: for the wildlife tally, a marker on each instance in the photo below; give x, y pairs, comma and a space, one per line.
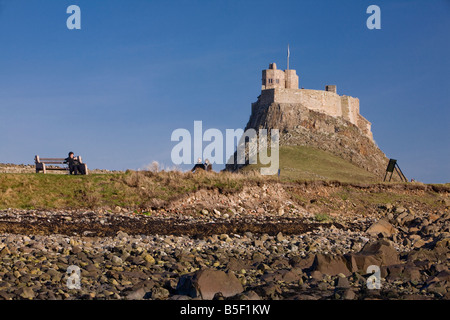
16, 168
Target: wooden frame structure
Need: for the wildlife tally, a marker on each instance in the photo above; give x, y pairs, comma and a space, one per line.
393, 165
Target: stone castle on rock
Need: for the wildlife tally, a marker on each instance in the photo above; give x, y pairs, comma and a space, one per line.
320, 119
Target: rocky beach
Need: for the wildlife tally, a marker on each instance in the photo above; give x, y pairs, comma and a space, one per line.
259, 248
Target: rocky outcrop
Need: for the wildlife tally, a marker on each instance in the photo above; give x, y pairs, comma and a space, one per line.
300, 126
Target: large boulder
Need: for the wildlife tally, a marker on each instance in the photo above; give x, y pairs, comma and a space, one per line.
302, 263
331, 264
380, 253
383, 227
435, 255
403, 272
206, 283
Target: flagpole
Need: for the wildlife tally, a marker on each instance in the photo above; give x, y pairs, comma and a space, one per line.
288, 53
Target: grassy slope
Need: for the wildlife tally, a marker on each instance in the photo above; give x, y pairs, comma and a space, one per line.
130, 189
151, 190
306, 163
146, 189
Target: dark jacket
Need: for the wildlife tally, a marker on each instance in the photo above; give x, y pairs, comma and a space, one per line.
198, 166
71, 161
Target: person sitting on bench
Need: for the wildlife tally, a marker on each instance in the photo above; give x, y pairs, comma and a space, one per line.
199, 166
208, 165
74, 165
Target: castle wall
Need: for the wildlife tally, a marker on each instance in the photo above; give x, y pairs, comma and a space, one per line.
326, 102
354, 109
267, 97
365, 126
322, 101
350, 109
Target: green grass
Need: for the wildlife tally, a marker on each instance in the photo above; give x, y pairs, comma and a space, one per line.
381, 197
322, 217
144, 190
306, 163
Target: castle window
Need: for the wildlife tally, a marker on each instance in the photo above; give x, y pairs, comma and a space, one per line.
270, 80
278, 80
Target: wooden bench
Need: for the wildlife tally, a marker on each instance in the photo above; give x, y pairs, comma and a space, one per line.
42, 164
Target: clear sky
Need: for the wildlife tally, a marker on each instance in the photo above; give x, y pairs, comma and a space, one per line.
137, 70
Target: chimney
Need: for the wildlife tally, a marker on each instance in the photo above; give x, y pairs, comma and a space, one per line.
331, 88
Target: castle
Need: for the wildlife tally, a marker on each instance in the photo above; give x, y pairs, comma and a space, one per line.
281, 87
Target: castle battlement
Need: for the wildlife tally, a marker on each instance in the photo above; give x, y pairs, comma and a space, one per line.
281, 87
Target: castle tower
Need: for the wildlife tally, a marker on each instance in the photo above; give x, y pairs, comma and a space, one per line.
291, 79
274, 78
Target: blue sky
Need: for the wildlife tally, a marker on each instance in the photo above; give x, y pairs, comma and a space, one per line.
137, 70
